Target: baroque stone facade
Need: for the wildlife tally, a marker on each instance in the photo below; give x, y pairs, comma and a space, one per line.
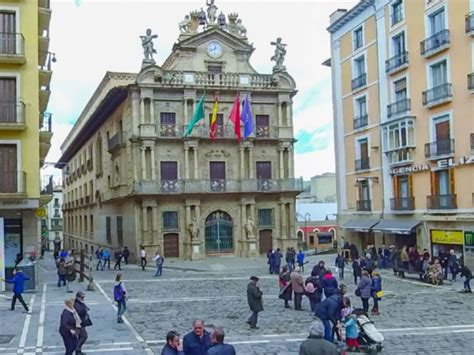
133, 179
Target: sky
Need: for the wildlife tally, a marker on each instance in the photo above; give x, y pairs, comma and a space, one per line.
90, 37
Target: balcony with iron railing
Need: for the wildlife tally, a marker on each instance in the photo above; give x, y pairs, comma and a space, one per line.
469, 24
164, 187
402, 203
441, 202
364, 205
46, 194
45, 68
12, 48
115, 143
438, 95
396, 63
440, 148
12, 183
472, 142
361, 121
12, 115
398, 108
435, 44
359, 82
470, 82
56, 227
362, 164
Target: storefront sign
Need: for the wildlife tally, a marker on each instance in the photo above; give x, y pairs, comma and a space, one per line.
410, 169
447, 237
469, 239
19, 204
2, 257
440, 164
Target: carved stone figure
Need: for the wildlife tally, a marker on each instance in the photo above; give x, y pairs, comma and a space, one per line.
221, 22
232, 25
242, 29
194, 25
147, 44
211, 11
279, 56
193, 229
201, 16
184, 26
249, 228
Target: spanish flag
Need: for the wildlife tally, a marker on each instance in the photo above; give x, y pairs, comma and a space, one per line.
212, 133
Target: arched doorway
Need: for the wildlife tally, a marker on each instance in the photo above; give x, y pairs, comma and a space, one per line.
219, 237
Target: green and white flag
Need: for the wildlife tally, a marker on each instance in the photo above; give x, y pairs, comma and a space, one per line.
198, 115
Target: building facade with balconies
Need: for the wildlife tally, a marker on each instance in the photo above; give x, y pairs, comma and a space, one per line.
25, 127
54, 220
411, 180
132, 177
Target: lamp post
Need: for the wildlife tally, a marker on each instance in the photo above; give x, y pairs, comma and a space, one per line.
307, 217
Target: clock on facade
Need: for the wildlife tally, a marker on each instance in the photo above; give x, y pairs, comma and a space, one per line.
214, 49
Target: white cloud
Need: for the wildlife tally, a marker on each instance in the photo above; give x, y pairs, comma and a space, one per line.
60, 131
315, 163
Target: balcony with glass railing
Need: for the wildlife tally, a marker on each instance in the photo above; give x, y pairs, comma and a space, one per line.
45, 60
438, 95
440, 148
442, 202
396, 63
362, 164
402, 203
12, 48
469, 23
364, 205
12, 115
359, 82
435, 44
12, 183
398, 108
361, 121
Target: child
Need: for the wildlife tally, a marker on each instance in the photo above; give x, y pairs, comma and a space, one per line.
350, 325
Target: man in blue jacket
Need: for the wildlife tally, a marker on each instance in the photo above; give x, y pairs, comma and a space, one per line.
329, 311
18, 282
219, 347
198, 341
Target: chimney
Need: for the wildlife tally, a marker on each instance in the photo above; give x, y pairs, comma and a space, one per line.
336, 15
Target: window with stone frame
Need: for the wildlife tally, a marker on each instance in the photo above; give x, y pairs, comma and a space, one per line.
168, 124
265, 216
263, 125
170, 220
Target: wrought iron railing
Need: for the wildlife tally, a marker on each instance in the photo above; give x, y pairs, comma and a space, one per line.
359, 82
396, 62
439, 148
364, 205
442, 202
435, 42
398, 107
402, 203
361, 121
438, 93
12, 44
362, 164
12, 112
469, 22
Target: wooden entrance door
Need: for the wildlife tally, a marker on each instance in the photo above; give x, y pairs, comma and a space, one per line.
265, 241
8, 168
171, 245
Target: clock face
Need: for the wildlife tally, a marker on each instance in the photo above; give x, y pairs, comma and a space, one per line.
214, 49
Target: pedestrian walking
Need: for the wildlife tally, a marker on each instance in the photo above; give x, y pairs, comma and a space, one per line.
120, 296
106, 257
218, 346
377, 292
466, 272
328, 284
126, 254
198, 341
405, 260
18, 281
254, 299
289, 260
83, 313
364, 290
173, 344
118, 259
319, 270
313, 291
159, 261
340, 265
99, 255
143, 258
285, 286
300, 259
453, 264
60, 265
315, 344
297, 284
69, 325
269, 261
70, 271
277, 261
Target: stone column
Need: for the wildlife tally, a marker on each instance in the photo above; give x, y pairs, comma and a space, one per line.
292, 220
284, 219
288, 114
196, 165
143, 162
154, 222
153, 163
251, 167
242, 162
197, 210
152, 111
188, 216
144, 219
282, 165
186, 163
185, 111
135, 113
142, 111
280, 115
290, 162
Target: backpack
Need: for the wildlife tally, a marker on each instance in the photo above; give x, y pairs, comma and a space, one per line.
119, 293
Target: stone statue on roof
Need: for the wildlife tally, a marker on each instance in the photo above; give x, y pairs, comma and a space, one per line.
147, 44
221, 22
279, 56
185, 25
211, 11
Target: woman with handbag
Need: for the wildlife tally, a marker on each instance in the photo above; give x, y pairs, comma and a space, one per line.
377, 292
69, 326
364, 290
285, 286
83, 312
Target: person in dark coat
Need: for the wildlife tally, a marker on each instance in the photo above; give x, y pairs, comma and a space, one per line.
328, 312
277, 261
365, 288
18, 282
354, 252
443, 260
61, 266
70, 322
173, 345
254, 298
357, 270
313, 296
316, 344
198, 341
328, 284
340, 264
126, 255
83, 313
319, 270
118, 259
269, 261
466, 272
219, 347
285, 286
453, 264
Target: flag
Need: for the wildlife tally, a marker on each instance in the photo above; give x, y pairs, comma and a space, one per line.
212, 132
246, 117
198, 115
235, 117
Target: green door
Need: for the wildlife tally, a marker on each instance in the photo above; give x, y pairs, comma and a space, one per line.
219, 233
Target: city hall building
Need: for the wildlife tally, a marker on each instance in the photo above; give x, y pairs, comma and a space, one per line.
403, 87
134, 178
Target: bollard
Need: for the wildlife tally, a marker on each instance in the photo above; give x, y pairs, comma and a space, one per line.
81, 266
90, 286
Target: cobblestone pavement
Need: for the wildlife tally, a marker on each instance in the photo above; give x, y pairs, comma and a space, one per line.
415, 318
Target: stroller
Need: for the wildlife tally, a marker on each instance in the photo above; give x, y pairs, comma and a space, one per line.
370, 339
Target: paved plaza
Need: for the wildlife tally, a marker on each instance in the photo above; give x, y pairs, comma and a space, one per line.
416, 318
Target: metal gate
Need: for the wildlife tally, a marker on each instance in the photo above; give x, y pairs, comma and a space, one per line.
219, 237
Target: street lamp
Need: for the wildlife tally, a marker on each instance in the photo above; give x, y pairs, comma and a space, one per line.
307, 217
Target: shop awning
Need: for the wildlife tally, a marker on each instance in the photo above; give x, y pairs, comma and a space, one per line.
395, 227
359, 225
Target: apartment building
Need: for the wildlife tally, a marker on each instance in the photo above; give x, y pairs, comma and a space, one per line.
404, 123
54, 220
133, 178
25, 126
